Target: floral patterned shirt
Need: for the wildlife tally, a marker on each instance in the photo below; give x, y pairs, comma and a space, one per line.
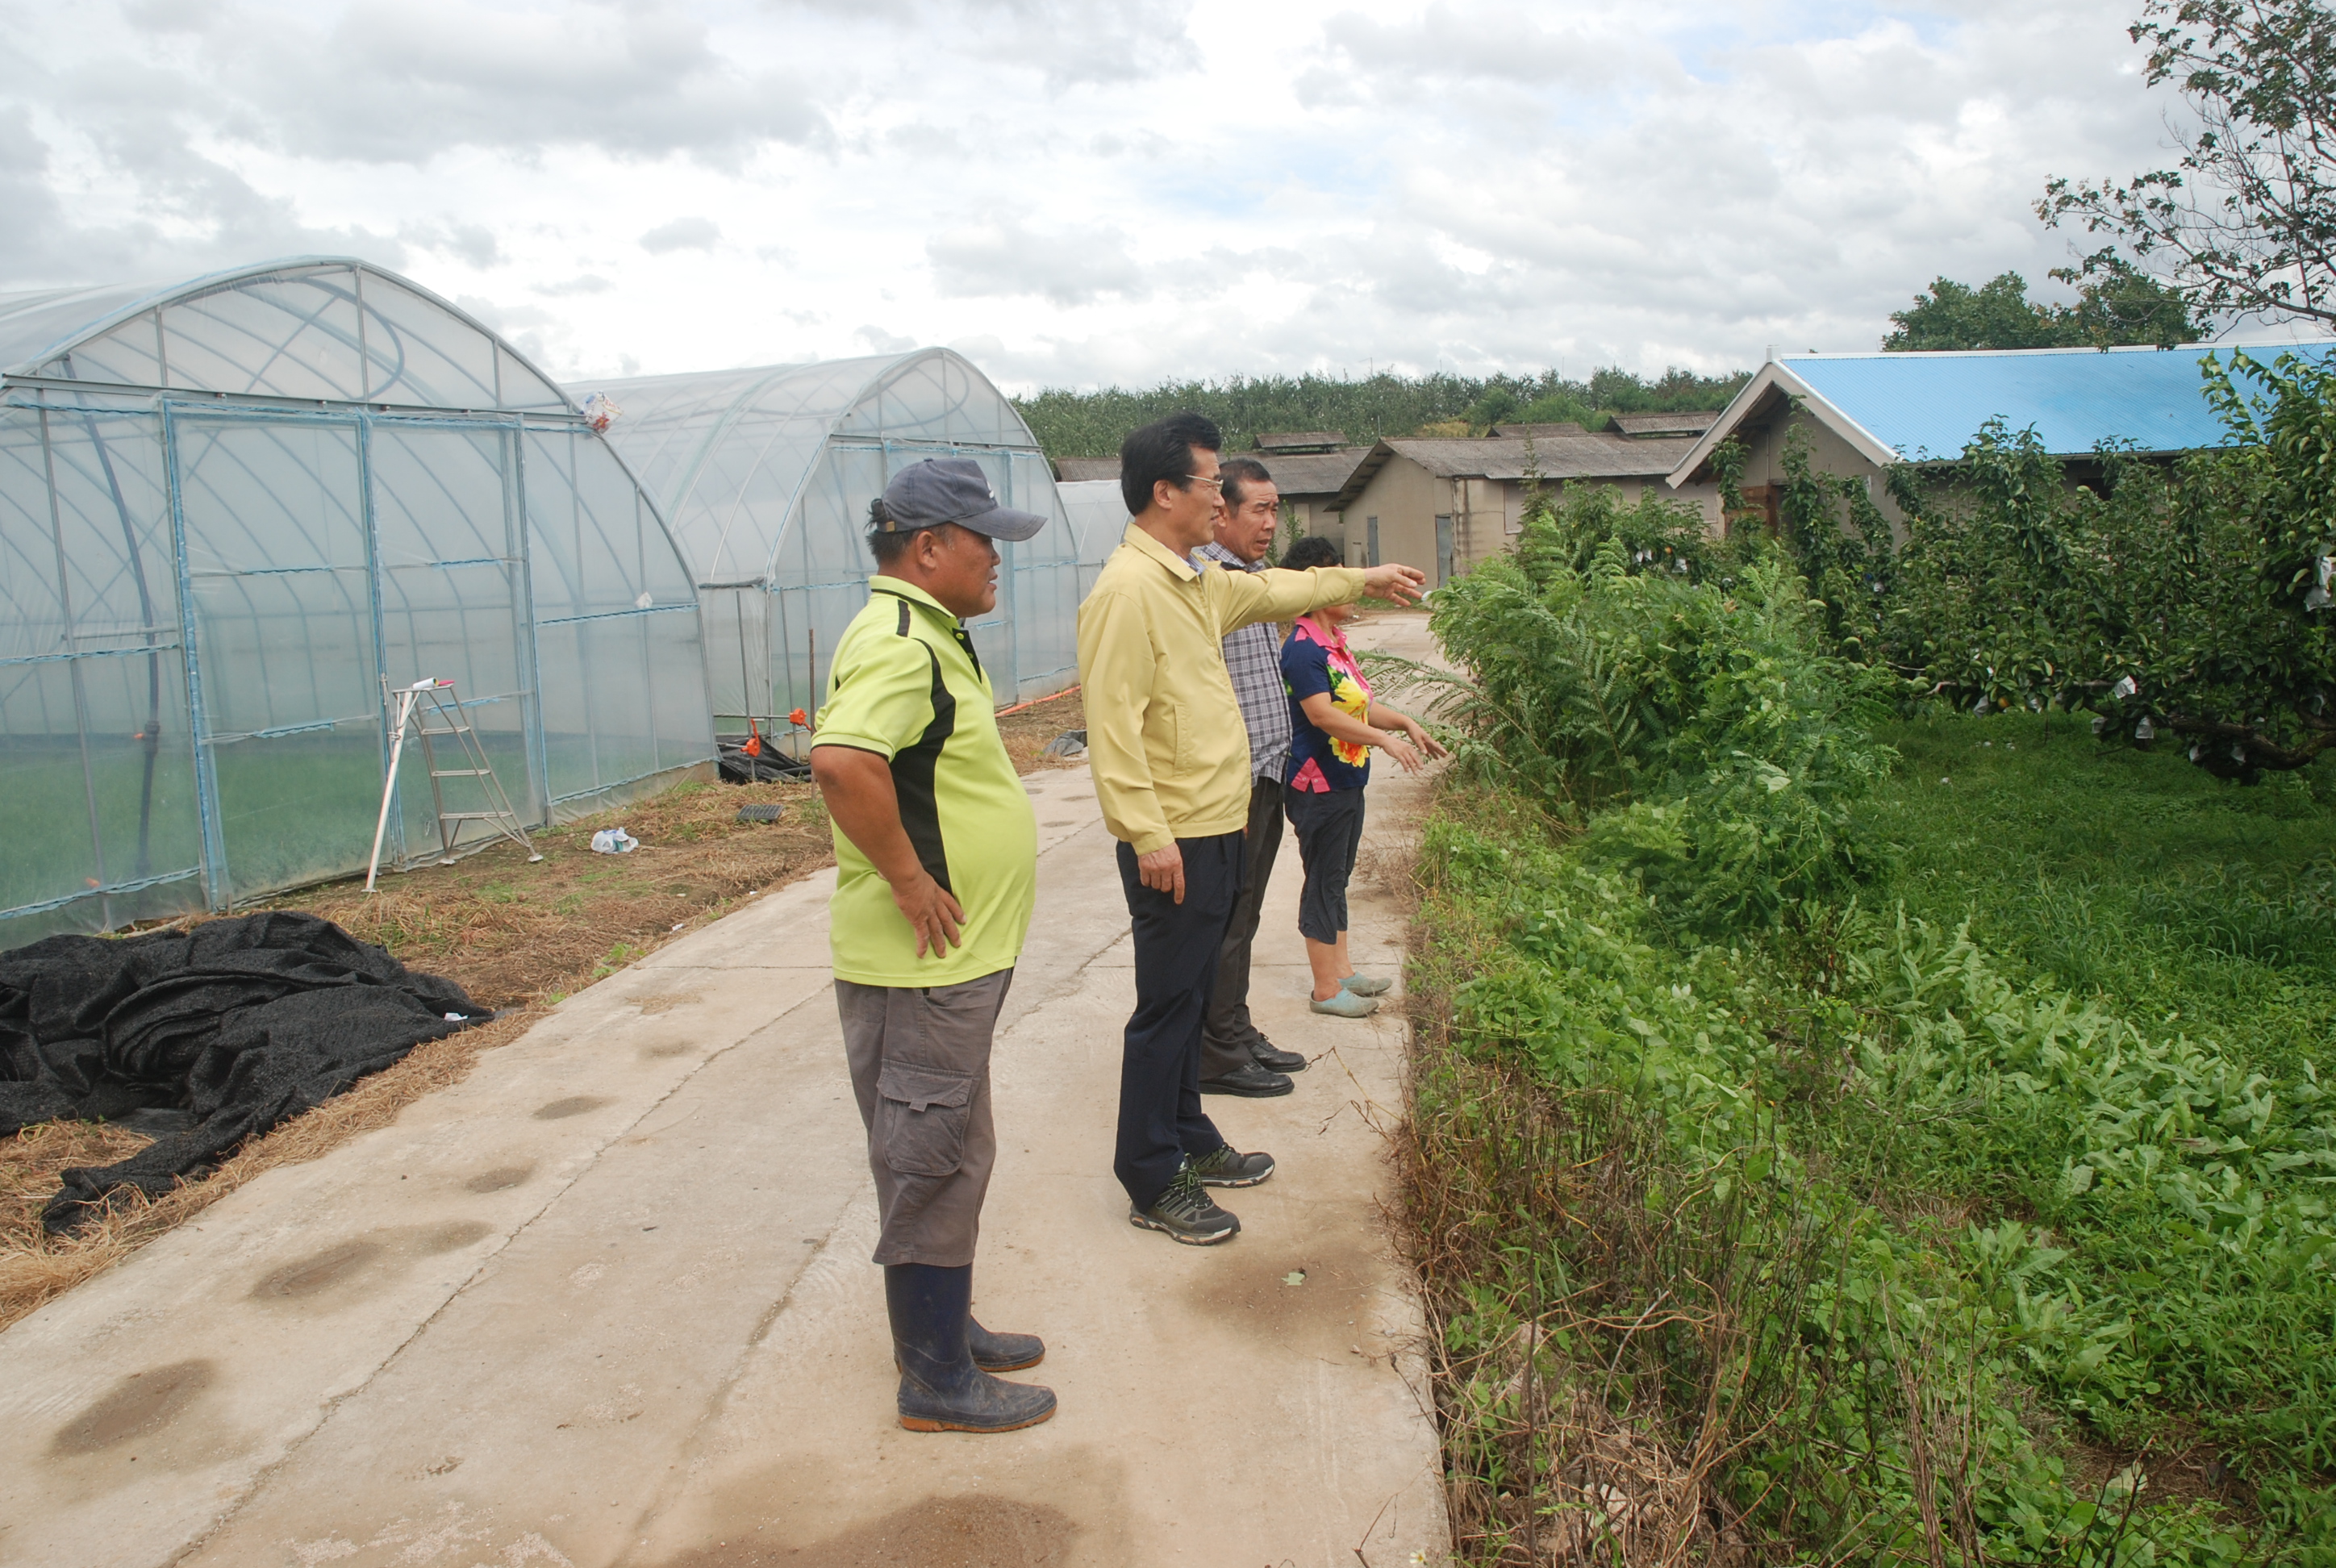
1316, 661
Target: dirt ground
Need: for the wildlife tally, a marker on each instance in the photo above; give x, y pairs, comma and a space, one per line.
519, 937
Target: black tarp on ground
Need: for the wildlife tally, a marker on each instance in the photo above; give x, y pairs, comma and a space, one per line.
242, 1023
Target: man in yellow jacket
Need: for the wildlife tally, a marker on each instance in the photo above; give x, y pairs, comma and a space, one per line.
1170, 756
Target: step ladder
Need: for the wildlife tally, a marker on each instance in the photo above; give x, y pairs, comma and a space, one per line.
430, 711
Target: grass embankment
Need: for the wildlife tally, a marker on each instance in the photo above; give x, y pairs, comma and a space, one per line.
519, 937
1815, 1161
1855, 1239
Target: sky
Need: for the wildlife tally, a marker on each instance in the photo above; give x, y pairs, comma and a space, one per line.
1082, 192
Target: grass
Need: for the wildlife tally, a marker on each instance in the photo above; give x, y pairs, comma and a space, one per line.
519, 937
1844, 1241
2125, 874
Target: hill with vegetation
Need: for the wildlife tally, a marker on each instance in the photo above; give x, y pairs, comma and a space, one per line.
1093, 424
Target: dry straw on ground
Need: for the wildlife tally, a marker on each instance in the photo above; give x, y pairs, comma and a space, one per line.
518, 937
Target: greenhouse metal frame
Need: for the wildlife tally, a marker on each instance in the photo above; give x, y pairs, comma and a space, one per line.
232, 510
764, 476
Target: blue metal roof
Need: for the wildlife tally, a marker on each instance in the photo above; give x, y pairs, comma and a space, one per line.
1931, 404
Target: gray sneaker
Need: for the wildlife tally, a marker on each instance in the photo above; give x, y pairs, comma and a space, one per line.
1185, 1212
1226, 1166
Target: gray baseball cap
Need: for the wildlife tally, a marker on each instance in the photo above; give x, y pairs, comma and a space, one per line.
952, 490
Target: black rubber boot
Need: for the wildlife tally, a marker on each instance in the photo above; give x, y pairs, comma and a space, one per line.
1002, 1353
942, 1389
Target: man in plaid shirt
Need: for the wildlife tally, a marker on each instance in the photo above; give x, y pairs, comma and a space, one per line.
1235, 1059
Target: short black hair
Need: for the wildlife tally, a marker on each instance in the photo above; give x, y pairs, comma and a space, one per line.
1237, 471
1162, 449
1311, 550
886, 543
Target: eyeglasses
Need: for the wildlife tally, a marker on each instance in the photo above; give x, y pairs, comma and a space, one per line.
1216, 484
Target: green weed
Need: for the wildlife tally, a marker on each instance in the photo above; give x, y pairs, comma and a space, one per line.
1965, 1202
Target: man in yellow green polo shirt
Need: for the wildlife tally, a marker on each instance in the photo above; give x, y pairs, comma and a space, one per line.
937, 863
1170, 756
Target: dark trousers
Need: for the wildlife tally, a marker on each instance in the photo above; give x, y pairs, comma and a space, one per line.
1330, 828
1176, 949
1228, 1037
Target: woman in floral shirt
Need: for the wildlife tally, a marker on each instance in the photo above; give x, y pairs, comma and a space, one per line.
1334, 725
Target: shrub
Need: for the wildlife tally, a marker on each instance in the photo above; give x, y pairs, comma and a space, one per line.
1680, 684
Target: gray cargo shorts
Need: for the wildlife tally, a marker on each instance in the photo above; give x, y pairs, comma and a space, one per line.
919, 1059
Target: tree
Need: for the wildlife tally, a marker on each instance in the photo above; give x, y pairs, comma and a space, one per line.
2123, 305
2190, 602
2246, 222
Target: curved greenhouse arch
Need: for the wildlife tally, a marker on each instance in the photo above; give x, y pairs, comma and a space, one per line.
764, 475
231, 508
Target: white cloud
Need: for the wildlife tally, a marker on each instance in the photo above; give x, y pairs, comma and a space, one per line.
1113, 190
473, 243
1000, 256
682, 234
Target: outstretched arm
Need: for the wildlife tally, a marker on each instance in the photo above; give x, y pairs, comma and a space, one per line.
1386, 718
1250, 597
1336, 722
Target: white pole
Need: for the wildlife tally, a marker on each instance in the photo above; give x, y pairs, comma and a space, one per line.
389, 786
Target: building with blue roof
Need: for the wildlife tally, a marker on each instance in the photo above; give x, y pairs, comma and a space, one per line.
1863, 413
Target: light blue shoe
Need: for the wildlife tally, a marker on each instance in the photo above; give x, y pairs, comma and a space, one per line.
1346, 1005
1367, 985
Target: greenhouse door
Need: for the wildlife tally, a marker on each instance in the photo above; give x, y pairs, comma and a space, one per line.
445, 526
736, 619
280, 660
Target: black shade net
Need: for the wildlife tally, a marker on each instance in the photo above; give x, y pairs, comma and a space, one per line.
770, 766
237, 1025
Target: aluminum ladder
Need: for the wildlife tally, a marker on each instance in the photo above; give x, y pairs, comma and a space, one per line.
430, 710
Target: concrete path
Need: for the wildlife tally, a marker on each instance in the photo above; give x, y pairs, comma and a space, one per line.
608, 1300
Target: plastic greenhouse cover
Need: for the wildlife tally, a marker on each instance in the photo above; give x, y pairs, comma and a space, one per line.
727, 453
295, 619
37, 322
322, 330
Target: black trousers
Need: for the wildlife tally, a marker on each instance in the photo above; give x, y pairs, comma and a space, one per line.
1330, 828
1176, 949
1228, 1037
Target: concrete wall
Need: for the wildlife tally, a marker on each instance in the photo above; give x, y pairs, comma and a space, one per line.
1486, 514
1317, 520
1406, 499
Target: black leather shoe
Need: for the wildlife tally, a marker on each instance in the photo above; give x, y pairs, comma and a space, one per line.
1274, 1059
1249, 1081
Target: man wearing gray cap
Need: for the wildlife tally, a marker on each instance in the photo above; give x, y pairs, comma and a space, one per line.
937, 856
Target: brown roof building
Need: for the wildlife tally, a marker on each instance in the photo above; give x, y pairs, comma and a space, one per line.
1296, 441
1532, 432
1637, 426
1444, 504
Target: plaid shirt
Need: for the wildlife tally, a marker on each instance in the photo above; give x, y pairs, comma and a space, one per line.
1253, 659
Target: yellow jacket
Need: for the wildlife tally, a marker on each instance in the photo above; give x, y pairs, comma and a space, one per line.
1165, 739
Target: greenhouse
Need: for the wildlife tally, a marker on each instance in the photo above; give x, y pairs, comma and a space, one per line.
765, 475
1098, 523
232, 510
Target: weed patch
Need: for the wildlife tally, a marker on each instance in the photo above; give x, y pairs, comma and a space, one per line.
1962, 1204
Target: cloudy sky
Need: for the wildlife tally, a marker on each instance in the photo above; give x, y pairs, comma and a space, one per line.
1077, 192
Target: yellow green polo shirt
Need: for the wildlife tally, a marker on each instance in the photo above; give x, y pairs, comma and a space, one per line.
905, 684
